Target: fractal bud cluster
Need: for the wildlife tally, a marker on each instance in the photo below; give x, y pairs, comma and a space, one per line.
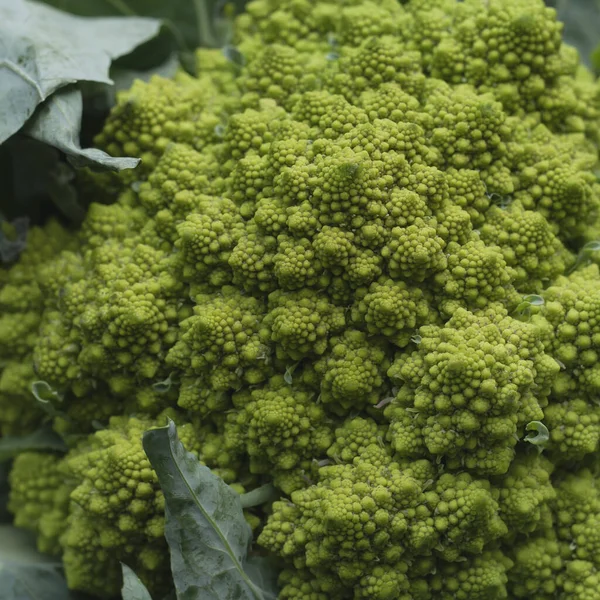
350, 264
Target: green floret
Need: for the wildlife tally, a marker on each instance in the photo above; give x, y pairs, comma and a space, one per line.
180, 175
476, 276
206, 238
377, 60
301, 323
572, 307
390, 101
483, 577
393, 309
364, 21
526, 492
39, 497
321, 520
19, 413
574, 427
467, 389
302, 584
537, 570
25, 290
465, 515
117, 509
468, 191
414, 252
555, 179
280, 428
354, 438
352, 373
468, 130
278, 72
331, 114
152, 115
251, 261
223, 341
528, 245
582, 580
577, 500
97, 506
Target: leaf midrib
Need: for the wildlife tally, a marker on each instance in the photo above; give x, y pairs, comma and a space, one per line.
213, 524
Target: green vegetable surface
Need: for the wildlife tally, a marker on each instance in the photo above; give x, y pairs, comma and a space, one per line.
341, 324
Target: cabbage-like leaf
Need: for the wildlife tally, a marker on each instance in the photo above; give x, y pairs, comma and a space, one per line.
44, 439
4, 514
208, 537
581, 18
43, 49
57, 123
25, 574
192, 23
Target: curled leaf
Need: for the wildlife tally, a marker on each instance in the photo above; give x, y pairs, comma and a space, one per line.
538, 434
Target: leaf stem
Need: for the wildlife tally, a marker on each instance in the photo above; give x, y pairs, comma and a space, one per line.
203, 23
261, 495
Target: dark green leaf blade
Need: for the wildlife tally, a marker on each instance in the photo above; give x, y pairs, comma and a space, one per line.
4, 514
57, 123
133, 588
205, 526
44, 49
43, 439
25, 574
581, 18
193, 23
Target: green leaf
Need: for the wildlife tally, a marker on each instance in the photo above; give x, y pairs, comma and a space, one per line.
261, 495
4, 514
538, 434
44, 49
25, 574
192, 23
205, 527
42, 439
585, 255
581, 19
57, 123
133, 588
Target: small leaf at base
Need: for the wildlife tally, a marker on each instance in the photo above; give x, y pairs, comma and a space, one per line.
133, 588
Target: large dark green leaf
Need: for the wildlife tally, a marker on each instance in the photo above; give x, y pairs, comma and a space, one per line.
25, 574
582, 24
208, 537
133, 588
43, 49
43, 439
192, 23
37, 178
